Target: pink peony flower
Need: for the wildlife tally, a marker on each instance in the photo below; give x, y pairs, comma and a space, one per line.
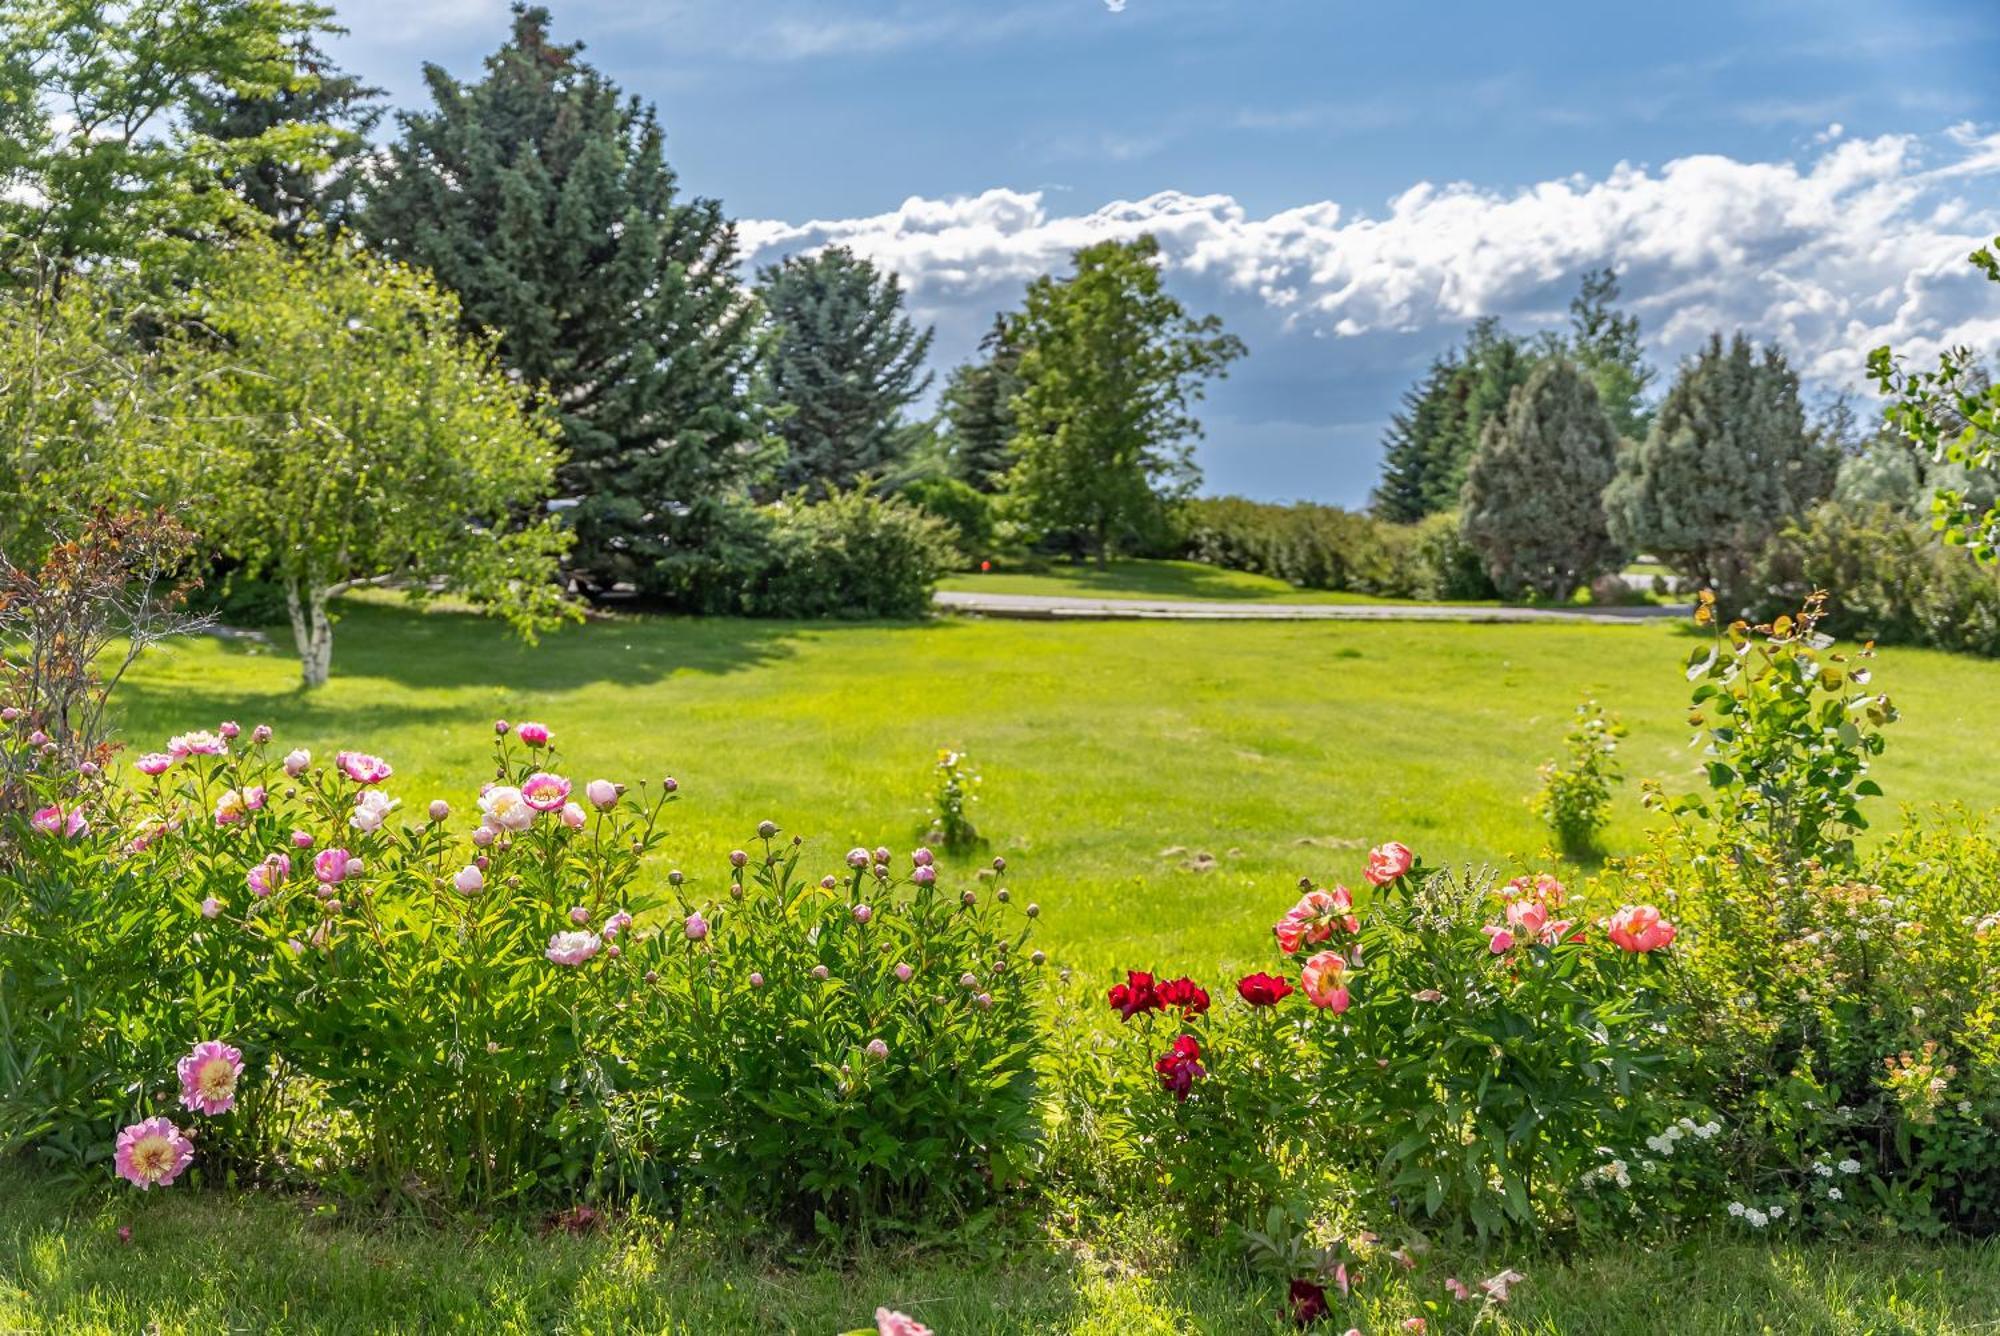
1457, 1288
696, 927
371, 809
155, 763
889, 1322
302, 839
469, 881
268, 875
573, 948
1541, 887
196, 744
208, 1078
535, 735
1313, 919
545, 792
1496, 1287
1639, 928
363, 768
1499, 940
1386, 862
877, 1049
152, 1154
573, 816
505, 808
602, 793
229, 728
484, 836
296, 761
236, 804
333, 866
55, 821
1530, 918
1321, 980
616, 924
211, 908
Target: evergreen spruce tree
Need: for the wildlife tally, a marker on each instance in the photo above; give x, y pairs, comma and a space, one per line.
1727, 462
1432, 439
846, 360
1534, 493
541, 196
1605, 344
298, 195
1411, 449
979, 410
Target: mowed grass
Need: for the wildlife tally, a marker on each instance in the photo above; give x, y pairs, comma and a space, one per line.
1146, 580
1115, 755
214, 1262
1118, 758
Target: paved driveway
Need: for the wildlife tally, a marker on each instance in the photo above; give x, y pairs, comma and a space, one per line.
1063, 607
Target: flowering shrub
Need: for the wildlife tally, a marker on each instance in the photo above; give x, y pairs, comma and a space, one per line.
1576, 789
1836, 1006
481, 1002
1448, 1051
851, 1049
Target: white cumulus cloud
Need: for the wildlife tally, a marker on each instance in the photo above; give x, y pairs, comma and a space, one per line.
1859, 244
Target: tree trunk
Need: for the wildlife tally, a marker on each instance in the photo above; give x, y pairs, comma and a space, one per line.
312, 631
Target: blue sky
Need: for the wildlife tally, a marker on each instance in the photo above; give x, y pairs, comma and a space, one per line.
1347, 184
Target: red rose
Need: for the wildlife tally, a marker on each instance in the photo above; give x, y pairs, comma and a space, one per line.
1133, 996
1262, 990
1179, 1068
1184, 993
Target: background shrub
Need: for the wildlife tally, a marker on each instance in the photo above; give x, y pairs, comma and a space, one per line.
966, 512
1890, 578
1324, 547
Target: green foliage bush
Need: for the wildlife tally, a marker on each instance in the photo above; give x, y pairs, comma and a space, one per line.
851, 555
1576, 788
1324, 547
1890, 578
967, 513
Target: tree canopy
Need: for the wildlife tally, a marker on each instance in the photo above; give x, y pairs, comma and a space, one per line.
541, 196
1111, 367
845, 360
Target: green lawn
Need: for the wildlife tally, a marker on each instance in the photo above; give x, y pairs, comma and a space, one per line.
214, 1263
1147, 579
1115, 755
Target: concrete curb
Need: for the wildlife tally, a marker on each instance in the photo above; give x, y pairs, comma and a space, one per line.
1046, 607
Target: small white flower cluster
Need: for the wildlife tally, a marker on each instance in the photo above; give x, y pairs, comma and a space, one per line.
1613, 1172
1755, 1218
1663, 1144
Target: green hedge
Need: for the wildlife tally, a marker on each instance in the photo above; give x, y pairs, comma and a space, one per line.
1324, 547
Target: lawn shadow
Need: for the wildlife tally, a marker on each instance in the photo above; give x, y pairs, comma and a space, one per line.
450, 647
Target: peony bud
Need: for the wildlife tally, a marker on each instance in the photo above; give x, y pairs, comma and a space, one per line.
820, 972
903, 973
737, 858
766, 829
483, 837
862, 913
924, 876
211, 908
579, 916
470, 880
296, 761
696, 927
602, 793
922, 858
857, 859
261, 734
440, 809
877, 1049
